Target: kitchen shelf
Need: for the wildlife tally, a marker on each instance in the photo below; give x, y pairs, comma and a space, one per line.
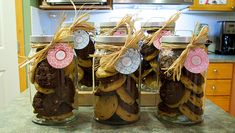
46, 6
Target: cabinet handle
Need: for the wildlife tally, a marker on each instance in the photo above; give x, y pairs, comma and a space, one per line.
215, 70
213, 87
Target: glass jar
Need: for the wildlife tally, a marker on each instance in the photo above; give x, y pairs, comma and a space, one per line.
117, 95
83, 46
182, 101
150, 74
55, 85
108, 26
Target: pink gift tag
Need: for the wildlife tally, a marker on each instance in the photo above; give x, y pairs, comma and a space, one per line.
60, 56
120, 32
157, 42
197, 61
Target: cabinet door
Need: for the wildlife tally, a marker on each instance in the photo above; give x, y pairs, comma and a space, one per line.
213, 5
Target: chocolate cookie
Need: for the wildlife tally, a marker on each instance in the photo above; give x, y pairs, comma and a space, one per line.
85, 52
185, 110
87, 78
164, 108
171, 92
191, 85
196, 78
66, 91
45, 75
133, 109
126, 116
147, 49
50, 105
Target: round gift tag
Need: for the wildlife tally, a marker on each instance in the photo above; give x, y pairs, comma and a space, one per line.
120, 32
157, 42
129, 63
81, 39
197, 61
60, 56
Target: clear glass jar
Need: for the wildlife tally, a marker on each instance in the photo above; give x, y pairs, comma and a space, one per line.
54, 101
182, 101
150, 53
108, 26
117, 95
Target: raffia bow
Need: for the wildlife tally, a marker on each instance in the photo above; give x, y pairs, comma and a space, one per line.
61, 34
108, 61
175, 69
150, 39
127, 20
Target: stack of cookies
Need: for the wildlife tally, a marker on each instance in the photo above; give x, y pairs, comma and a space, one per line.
55, 91
149, 66
117, 98
85, 64
184, 97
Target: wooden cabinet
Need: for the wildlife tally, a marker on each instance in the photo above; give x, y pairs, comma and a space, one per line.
213, 5
219, 84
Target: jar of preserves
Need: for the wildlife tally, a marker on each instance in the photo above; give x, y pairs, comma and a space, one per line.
150, 53
117, 95
183, 65
54, 77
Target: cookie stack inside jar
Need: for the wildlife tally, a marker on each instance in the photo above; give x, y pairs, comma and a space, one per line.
83, 38
183, 65
117, 96
150, 52
54, 83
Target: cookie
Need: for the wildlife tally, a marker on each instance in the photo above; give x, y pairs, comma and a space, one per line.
87, 78
124, 96
171, 92
101, 73
163, 109
50, 105
85, 63
80, 73
131, 87
196, 100
126, 116
85, 52
130, 108
43, 90
45, 75
113, 85
98, 92
105, 107
194, 108
151, 56
196, 78
191, 85
66, 91
182, 101
147, 50
109, 79
188, 113
151, 81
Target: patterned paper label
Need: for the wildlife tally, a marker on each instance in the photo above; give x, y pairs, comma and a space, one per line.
197, 61
129, 63
60, 56
120, 32
81, 39
157, 42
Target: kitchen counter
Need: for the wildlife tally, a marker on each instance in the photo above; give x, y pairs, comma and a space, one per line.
221, 58
17, 118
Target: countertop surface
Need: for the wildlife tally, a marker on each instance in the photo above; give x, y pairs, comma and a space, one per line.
221, 58
18, 115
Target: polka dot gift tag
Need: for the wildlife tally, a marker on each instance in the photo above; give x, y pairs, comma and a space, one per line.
129, 62
197, 61
157, 42
81, 39
60, 56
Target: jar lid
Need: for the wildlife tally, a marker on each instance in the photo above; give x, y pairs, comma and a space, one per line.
156, 24
108, 24
68, 23
110, 39
46, 38
176, 39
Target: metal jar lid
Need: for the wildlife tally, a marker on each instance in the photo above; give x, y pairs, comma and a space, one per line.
176, 39
110, 39
46, 38
156, 24
108, 24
